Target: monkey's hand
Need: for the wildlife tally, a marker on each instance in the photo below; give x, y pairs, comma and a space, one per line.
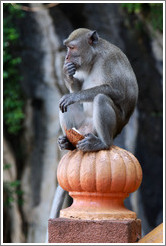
64, 143
69, 69
67, 100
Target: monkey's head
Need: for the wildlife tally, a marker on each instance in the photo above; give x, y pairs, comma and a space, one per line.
81, 45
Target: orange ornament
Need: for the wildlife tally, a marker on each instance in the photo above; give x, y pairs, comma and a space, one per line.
99, 182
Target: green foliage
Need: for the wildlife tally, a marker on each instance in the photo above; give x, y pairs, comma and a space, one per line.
12, 190
153, 12
13, 100
132, 7
6, 166
156, 16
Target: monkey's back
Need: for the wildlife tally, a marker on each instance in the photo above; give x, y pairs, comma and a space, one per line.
120, 74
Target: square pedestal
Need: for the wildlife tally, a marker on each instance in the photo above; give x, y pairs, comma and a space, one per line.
63, 230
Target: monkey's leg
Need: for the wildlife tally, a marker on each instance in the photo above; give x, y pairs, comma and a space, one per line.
104, 123
74, 117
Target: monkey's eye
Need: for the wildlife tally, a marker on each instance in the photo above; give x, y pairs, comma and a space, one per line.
72, 47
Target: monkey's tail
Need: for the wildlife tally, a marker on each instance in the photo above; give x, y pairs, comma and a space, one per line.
56, 205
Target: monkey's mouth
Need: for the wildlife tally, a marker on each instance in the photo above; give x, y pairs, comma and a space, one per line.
77, 62
77, 67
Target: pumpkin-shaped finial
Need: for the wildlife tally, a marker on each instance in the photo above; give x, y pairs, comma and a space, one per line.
99, 182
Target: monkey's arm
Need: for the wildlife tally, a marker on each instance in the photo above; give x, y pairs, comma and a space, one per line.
73, 84
88, 96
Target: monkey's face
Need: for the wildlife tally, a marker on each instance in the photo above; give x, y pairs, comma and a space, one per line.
73, 55
81, 47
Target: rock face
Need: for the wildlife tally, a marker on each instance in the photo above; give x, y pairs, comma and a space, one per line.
42, 52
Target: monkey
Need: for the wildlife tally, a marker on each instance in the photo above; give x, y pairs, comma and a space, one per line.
103, 91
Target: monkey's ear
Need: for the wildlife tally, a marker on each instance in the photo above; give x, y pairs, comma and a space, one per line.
93, 37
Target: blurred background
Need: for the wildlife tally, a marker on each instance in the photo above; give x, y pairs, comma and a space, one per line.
33, 84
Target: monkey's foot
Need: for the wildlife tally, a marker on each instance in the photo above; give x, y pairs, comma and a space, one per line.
91, 143
64, 143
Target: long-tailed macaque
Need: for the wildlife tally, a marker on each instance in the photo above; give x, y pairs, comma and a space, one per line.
103, 91
103, 94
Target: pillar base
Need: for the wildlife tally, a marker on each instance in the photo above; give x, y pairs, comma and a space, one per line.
62, 230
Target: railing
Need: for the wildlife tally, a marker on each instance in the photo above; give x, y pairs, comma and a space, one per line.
155, 236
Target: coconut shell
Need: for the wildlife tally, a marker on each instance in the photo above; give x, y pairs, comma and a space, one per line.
73, 136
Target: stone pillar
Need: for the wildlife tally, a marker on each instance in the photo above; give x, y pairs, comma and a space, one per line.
98, 182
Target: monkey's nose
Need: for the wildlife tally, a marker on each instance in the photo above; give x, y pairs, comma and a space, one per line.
67, 58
